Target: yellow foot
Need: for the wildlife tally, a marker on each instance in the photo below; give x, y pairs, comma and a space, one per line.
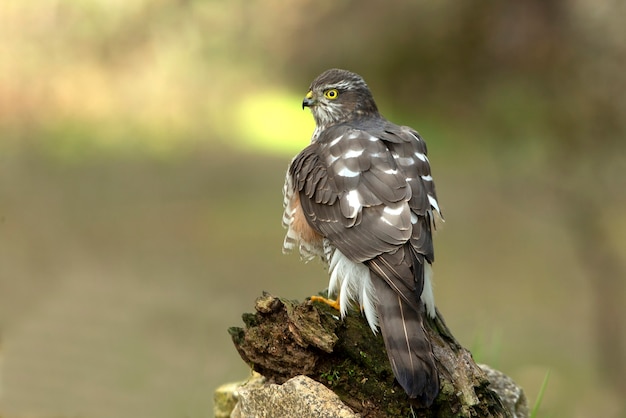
329, 302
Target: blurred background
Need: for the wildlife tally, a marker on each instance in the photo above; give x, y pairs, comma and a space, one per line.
143, 146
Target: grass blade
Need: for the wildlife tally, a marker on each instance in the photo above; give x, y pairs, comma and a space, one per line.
542, 390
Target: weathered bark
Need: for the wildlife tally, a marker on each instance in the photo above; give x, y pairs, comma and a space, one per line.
285, 338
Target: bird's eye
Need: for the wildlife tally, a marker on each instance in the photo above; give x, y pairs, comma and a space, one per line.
331, 94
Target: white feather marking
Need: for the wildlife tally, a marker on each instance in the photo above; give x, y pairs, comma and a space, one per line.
402, 160
354, 201
413, 217
353, 153
391, 171
369, 301
390, 213
336, 140
333, 284
428, 296
427, 178
421, 156
346, 294
433, 203
414, 136
346, 172
394, 210
354, 284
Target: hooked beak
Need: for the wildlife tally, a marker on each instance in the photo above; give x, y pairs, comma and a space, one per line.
308, 100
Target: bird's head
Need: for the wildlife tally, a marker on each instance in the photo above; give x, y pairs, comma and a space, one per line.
337, 96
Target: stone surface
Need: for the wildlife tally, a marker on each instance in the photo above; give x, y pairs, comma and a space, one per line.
299, 397
225, 399
226, 396
511, 395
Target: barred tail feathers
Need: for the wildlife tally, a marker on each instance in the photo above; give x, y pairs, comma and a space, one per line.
408, 347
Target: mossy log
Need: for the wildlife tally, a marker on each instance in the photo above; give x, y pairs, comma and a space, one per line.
286, 338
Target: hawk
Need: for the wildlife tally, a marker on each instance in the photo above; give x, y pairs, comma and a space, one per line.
361, 198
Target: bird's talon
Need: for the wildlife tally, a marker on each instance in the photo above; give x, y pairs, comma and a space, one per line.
329, 302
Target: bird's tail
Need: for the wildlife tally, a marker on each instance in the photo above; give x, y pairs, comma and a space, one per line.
408, 347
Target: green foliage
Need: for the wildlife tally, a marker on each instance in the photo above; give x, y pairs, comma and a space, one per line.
535, 411
330, 376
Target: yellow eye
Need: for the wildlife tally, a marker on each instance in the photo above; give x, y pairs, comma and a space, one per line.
331, 94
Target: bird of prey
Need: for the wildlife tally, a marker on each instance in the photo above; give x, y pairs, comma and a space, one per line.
361, 198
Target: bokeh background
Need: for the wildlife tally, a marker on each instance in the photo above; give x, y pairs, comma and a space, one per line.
142, 154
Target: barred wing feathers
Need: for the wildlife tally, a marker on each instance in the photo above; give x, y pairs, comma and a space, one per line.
368, 190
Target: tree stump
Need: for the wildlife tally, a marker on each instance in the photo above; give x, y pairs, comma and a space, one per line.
284, 339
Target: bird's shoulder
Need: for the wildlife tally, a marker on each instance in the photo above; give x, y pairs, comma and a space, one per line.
376, 142
373, 129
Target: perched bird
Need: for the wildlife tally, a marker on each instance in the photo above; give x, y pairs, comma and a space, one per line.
361, 198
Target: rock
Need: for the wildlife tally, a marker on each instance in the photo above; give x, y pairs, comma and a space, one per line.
511, 395
225, 399
300, 397
226, 396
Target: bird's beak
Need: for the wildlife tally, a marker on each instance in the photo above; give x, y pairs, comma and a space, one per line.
308, 100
